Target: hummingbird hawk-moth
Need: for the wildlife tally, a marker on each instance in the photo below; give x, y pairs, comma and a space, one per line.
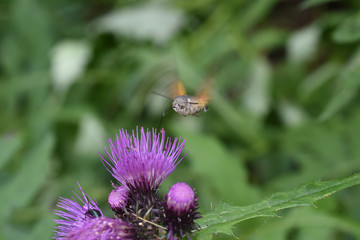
188, 105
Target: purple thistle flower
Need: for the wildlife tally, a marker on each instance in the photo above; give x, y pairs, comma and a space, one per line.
75, 214
180, 211
102, 228
118, 199
142, 161
85, 221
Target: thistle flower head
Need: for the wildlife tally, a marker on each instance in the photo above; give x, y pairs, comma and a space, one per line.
180, 210
142, 160
102, 228
180, 198
74, 214
85, 221
118, 198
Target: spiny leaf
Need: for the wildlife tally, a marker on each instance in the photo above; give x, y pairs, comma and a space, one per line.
225, 216
311, 223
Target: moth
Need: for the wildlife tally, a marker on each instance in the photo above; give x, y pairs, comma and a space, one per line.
188, 105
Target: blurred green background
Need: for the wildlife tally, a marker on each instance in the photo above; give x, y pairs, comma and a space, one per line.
285, 108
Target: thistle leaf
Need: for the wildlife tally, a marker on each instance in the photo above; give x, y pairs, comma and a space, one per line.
224, 216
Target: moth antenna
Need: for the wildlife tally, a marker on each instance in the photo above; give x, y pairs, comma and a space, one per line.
162, 95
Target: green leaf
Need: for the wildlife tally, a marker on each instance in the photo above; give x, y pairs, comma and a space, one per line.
349, 30
313, 3
9, 145
318, 78
35, 40
309, 222
28, 180
225, 216
256, 11
349, 81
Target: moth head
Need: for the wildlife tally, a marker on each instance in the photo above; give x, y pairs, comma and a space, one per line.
180, 104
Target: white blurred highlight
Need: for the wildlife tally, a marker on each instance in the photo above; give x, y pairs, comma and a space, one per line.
256, 98
91, 136
302, 45
68, 61
155, 22
292, 115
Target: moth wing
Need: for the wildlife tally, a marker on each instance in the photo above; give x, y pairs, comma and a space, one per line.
204, 95
177, 89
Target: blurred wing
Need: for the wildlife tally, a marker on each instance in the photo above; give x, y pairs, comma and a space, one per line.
203, 96
177, 89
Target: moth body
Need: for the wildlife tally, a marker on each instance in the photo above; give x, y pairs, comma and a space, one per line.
188, 105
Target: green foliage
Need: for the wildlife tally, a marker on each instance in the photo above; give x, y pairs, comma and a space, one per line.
225, 216
311, 3
348, 31
285, 107
9, 146
348, 83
